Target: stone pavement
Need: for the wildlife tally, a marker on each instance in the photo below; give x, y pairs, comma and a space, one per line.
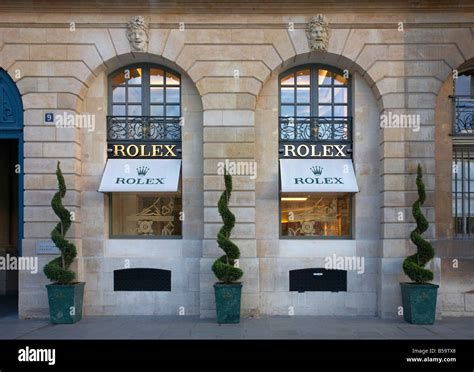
265, 327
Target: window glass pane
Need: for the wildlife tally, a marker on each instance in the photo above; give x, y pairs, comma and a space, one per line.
135, 94
302, 77
339, 80
464, 85
134, 110
315, 215
145, 214
156, 110
325, 77
156, 94
340, 95
171, 79
172, 95
303, 110
287, 110
325, 95
325, 111
302, 95
135, 76
156, 76
340, 111
288, 80
287, 95
172, 110
118, 110
118, 79
118, 94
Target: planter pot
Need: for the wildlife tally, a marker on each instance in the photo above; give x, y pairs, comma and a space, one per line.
65, 302
419, 302
228, 302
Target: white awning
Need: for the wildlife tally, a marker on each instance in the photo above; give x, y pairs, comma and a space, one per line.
317, 175
140, 175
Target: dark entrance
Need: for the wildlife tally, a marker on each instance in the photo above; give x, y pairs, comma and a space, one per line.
8, 225
11, 191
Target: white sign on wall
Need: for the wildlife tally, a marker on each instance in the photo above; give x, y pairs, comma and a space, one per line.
141, 175
317, 175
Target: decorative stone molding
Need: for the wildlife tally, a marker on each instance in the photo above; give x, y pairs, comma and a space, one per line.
317, 32
138, 34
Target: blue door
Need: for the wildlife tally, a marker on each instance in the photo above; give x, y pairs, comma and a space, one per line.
11, 165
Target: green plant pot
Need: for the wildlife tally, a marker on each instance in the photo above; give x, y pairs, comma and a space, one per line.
228, 302
65, 302
419, 302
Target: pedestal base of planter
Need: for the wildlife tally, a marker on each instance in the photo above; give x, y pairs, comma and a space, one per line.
65, 302
228, 302
419, 302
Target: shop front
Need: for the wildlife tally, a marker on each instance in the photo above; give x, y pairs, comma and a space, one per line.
327, 193
292, 102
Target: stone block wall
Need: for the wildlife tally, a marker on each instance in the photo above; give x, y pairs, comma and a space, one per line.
232, 63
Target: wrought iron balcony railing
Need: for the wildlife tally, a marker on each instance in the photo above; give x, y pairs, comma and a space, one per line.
315, 128
463, 115
143, 128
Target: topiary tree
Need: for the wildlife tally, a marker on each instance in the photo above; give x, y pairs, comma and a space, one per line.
223, 267
414, 265
58, 269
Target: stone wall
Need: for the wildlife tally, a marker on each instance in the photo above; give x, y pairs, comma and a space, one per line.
233, 62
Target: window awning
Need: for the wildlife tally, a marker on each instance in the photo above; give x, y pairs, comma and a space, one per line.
317, 175
140, 175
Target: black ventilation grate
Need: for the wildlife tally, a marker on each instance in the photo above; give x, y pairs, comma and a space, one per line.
140, 279
318, 280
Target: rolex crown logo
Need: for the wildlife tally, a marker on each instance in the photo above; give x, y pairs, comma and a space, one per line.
142, 171
316, 170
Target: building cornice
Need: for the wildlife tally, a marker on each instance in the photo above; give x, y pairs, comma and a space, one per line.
268, 7
194, 25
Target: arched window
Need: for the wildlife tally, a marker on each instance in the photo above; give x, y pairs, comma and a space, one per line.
314, 91
315, 127
144, 151
314, 105
145, 90
464, 103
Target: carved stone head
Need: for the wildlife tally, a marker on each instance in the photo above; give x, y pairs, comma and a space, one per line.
138, 34
317, 33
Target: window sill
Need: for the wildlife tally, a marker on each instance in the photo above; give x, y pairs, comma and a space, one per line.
132, 237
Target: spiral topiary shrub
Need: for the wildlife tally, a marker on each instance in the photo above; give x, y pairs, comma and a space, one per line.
223, 267
414, 265
58, 269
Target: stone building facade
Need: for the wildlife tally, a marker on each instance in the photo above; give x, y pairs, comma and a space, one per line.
400, 58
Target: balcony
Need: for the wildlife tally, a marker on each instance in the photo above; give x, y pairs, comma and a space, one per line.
316, 129
143, 129
463, 116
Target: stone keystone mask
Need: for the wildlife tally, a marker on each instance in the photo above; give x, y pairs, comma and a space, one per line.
138, 34
317, 33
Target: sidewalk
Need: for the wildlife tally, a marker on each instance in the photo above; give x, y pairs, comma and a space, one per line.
278, 327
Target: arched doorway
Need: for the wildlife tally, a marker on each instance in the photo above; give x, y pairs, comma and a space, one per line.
140, 87
319, 101
11, 191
